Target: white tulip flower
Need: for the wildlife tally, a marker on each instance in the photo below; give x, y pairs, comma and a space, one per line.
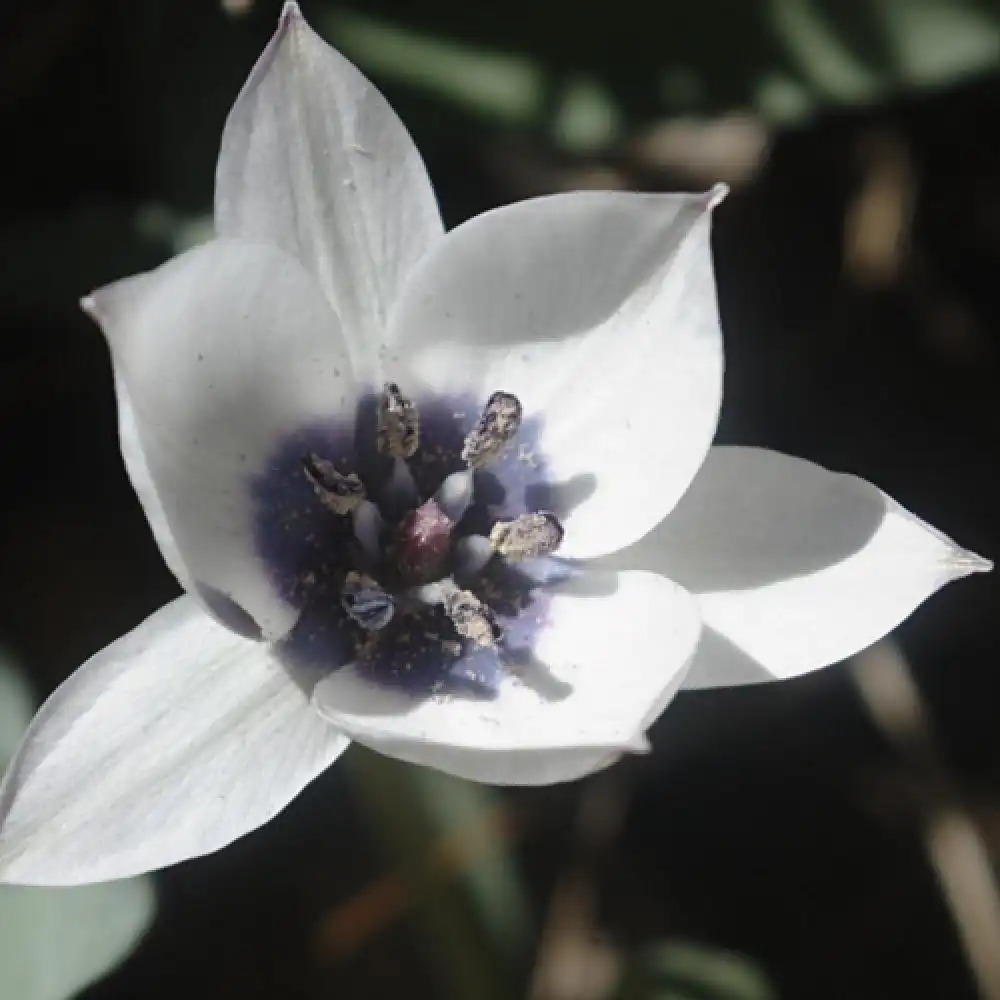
453, 496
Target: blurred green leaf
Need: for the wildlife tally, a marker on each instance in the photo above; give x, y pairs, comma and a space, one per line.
816, 39
857, 51
54, 942
784, 58
586, 116
468, 898
15, 708
934, 42
686, 971
501, 85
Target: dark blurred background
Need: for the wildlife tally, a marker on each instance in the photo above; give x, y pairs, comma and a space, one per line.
830, 837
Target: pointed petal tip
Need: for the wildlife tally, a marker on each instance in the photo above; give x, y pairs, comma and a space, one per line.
291, 21
962, 562
89, 305
716, 195
639, 744
290, 12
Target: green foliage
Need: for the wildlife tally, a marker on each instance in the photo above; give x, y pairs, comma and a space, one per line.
444, 838
685, 971
784, 58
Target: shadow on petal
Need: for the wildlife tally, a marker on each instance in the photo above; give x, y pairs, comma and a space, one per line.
561, 498
754, 517
322, 640
720, 663
227, 612
296, 536
534, 674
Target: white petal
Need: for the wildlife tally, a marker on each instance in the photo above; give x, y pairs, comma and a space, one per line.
611, 655
314, 160
171, 743
145, 487
794, 567
598, 310
223, 354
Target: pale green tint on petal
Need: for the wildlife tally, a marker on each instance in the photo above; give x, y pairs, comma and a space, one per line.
315, 161
170, 743
223, 352
598, 310
612, 652
794, 567
54, 942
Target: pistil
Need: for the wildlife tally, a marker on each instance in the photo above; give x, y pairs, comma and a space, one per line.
423, 543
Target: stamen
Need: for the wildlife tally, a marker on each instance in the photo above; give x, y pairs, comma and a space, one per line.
471, 618
527, 537
399, 493
470, 555
498, 424
398, 423
366, 602
337, 492
455, 494
368, 524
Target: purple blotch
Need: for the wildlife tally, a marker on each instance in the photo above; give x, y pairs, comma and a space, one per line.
301, 542
308, 551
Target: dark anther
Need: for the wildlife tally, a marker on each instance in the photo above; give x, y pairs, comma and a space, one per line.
527, 537
398, 423
339, 493
499, 422
366, 602
471, 618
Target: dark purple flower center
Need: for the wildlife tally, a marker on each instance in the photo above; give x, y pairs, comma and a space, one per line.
380, 533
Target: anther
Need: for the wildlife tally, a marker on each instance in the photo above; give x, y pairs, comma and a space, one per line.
471, 618
499, 422
366, 602
398, 423
527, 537
337, 492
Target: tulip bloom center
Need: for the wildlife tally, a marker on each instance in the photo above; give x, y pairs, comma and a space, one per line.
401, 555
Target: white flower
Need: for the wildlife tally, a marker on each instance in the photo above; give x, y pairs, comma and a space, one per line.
249, 373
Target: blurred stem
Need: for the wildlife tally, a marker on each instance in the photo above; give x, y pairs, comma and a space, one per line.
474, 925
